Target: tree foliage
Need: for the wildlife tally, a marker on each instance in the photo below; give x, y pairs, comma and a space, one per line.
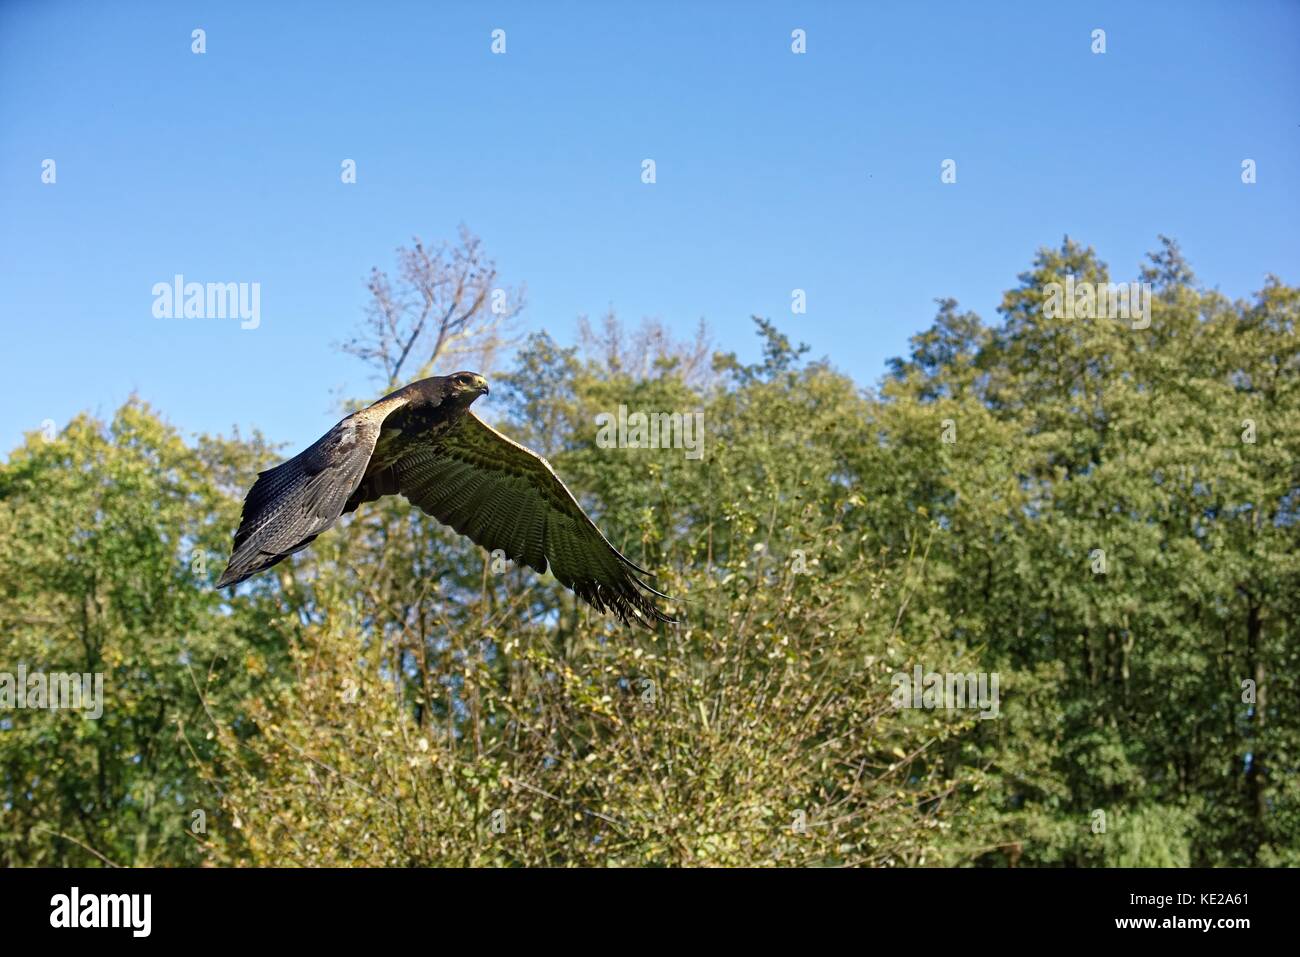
1100, 513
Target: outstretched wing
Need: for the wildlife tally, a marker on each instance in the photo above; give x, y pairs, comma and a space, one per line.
501, 495
289, 505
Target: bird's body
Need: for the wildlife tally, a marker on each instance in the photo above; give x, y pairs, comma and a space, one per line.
422, 441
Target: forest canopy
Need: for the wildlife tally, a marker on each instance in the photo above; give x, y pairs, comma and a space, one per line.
1099, 515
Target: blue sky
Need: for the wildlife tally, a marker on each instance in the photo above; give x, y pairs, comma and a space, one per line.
775, 171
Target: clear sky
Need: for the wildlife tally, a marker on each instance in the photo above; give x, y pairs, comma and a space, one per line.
775, 171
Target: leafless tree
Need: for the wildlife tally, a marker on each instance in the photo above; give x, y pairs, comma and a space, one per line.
639, 352
444, 307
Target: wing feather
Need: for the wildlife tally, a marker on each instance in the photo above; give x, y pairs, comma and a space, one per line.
289, 505
503, 496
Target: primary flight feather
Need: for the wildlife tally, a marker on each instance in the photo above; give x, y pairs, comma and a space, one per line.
423, 442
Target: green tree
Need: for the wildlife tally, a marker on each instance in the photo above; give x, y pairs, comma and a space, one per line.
107, 535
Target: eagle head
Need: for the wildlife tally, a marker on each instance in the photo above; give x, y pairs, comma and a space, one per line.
467, 386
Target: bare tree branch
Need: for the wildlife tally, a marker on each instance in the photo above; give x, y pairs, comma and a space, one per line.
641, 351
446, 306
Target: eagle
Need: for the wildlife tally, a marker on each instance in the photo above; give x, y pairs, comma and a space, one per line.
423, 442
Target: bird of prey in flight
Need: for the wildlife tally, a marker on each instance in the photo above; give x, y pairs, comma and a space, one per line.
424, 442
